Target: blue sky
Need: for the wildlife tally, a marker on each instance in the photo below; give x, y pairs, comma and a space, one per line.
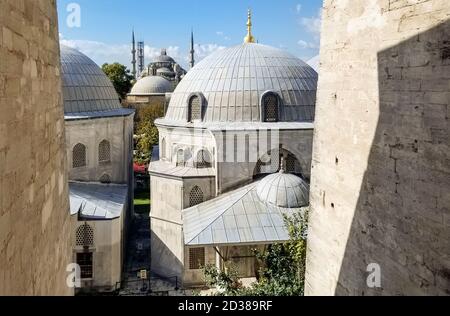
105, 26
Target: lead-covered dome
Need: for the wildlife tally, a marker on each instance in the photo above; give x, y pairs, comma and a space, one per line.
232, 82
151, 85
283, 190
86, 88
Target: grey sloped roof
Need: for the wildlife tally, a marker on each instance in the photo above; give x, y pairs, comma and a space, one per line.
232, 81
86, 88
237, 217
151, 85
97, 201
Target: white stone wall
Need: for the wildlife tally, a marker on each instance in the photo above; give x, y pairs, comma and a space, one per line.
108, 252
118, 131
189, 139
380, 188
166, 226
237, 171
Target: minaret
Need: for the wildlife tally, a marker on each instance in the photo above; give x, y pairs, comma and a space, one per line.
249, 38
192, 52
133, 52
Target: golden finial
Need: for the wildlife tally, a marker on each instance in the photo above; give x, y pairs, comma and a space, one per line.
249, 38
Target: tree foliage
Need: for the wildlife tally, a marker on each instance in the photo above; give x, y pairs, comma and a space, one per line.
147, 132
283, 266
120, 77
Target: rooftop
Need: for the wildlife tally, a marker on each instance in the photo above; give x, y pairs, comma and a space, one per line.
237, 217
97, 201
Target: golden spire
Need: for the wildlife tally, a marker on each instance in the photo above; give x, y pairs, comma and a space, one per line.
249, 38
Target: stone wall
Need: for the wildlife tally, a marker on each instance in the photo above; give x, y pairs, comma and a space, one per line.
35, 245
380, 188
118, 131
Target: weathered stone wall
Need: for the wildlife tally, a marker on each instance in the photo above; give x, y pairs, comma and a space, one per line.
380, 190
35, 245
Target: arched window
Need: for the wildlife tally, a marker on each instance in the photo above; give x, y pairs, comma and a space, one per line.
203, 159
84, 235
196, 196
270, 105
79, 156
104, 151
105, 178
163, 148
180, 157
195, 109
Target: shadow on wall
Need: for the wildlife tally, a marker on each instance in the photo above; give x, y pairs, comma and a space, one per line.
402, 220
163, 261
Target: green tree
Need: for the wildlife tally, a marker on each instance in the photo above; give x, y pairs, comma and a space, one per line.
283, 266
120, 77
147, 131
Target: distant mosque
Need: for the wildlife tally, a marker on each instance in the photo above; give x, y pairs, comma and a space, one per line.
234, 157
155, 82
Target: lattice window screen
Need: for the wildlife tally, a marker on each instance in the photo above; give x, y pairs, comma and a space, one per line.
203, 159
196, 258
270, 103
104, 151
84, 235
291, 163
79, 156
195, 108
85, 261
105, 178
196, 196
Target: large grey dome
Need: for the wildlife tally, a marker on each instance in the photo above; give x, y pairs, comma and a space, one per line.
86, 88
283, 190
151, 85
233, 80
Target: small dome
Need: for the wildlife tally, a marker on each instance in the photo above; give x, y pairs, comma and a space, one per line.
164, 58
151, 85
86, 88
283, 190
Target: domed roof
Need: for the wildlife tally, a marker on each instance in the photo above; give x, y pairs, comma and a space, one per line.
164, 58
233, 81
283, 190
86, 88
151, 85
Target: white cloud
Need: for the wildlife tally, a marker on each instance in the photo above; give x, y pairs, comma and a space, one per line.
298, 8
223, 35
102, 52
312, 24
203, 50
307, 45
